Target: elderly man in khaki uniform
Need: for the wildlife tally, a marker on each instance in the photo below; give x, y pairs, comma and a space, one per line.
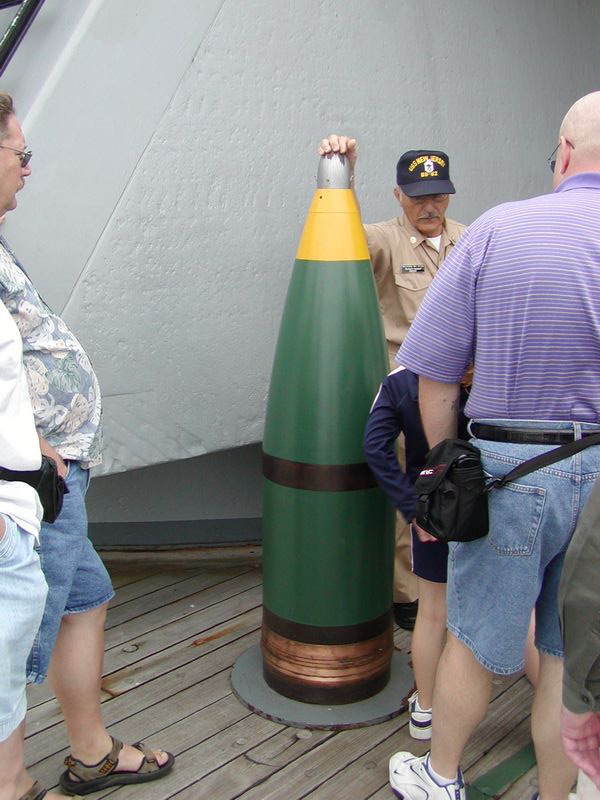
406, 252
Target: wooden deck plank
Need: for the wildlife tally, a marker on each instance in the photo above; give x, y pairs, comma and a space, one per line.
246, 771
196, 760
196, 623
361, 775
184, 642
123, 575
185, 721
506, 711
312, 769
40, 693
524, 788
167, 681
175, 643
146, 585
184, 558
368, 773
120, 578
166, 596
363, 778
156, 665
158, 692
186, 606
384, 793
173, 647
514, 741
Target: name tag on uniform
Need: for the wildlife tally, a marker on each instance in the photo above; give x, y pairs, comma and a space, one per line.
413, 268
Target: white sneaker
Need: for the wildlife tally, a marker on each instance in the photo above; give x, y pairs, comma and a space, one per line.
419, 721
410, 780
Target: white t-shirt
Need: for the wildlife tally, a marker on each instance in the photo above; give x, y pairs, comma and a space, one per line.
19, 443
435, 241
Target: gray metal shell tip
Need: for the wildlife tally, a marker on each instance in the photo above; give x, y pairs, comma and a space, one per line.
334, 172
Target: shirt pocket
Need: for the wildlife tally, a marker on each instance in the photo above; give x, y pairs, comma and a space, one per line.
410, 280
410, 289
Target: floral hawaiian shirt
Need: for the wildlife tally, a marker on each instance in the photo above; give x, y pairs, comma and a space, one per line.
65, 394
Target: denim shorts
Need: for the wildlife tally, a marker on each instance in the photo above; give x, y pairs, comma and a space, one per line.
22, 596
495, 582
77, 579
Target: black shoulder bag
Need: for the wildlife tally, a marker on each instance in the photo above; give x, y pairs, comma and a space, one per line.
452, 489
49, 485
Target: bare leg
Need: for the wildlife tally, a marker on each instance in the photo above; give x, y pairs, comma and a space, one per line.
15, 782
11, 763
75, 673
556, 774
532, 657
460, 700
428, 637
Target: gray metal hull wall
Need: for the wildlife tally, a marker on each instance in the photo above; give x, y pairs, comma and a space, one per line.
174, 163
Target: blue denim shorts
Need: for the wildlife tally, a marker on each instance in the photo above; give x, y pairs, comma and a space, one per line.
22, 596
495, 582
77, 579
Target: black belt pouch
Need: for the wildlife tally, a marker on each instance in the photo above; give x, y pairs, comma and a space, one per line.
452, 504
49, 485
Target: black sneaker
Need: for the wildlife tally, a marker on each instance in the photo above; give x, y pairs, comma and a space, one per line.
405, 615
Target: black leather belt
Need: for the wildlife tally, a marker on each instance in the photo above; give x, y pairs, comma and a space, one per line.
524, 435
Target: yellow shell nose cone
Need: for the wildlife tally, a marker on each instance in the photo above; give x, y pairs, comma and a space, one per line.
333, 229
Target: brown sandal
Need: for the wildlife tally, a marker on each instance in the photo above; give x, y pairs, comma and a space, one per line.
37, 792
92, 777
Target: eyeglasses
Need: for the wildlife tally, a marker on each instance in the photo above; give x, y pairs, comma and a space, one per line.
552, 158
24, 155
423, 198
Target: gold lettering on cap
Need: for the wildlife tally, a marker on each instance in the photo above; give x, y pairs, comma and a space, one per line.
422, 159
416, 162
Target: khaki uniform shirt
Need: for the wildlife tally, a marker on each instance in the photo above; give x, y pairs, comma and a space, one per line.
404, 264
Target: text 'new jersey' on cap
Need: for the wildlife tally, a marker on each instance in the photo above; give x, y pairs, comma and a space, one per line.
422, 172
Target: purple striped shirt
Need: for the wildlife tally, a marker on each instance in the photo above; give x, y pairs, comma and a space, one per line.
520, 294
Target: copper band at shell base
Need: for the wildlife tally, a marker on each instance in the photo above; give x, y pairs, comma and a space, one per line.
326, 673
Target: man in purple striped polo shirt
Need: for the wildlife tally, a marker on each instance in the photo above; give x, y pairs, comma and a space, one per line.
520, 296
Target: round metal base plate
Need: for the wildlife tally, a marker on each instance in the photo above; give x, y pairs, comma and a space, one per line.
251, 690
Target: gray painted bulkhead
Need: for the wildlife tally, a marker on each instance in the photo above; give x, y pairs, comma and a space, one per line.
175, 159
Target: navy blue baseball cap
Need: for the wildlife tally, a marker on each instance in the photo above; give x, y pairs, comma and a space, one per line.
422, 172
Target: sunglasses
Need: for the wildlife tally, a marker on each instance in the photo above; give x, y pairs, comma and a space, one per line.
552, 157
24, 155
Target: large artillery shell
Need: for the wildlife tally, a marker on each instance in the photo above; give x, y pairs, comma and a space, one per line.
327, 528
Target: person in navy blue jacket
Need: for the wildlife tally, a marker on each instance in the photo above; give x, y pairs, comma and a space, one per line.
395, 410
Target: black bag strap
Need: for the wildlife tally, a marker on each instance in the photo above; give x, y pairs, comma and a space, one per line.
539, 462
30, 476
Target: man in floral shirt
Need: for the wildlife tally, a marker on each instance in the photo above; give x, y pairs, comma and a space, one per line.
69, 647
